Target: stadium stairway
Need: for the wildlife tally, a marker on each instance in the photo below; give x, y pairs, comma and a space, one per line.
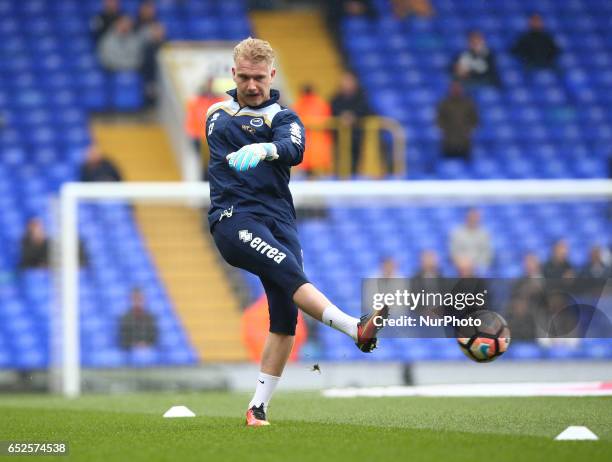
304, 49
140, 150
184, 257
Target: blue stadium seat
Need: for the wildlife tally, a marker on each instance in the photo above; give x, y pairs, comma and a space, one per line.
537, 125
126, 90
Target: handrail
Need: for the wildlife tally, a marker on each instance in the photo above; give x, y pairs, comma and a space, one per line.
371, 125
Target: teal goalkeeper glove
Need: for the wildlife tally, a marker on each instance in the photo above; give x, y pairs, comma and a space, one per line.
249, 156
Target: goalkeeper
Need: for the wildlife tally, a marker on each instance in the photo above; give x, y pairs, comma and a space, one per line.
254, 142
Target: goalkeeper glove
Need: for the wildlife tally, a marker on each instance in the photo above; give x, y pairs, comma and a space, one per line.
249, 156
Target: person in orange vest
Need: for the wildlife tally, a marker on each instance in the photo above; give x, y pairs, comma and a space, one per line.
313, 109
255, 323
196, 118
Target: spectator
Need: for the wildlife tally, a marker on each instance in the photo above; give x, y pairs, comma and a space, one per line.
121, 49
536, 47
427, 277
531, 285
387, 277
405, 8
429, 267
471, 240
153, 35
350, 105
138, 328
469, 283
457, 118
34, 246
104, 20
476, 65
147, 16
521, 320
97, 167
532, 267
594, 274
314, 110
83, 255
558, 266
596, 268
196, 116
388, 268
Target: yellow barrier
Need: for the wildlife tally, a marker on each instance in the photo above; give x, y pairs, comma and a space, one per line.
371, 150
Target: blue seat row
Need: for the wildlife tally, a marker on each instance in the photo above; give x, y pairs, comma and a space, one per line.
407, 61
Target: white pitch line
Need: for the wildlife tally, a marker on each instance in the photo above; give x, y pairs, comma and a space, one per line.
478, 390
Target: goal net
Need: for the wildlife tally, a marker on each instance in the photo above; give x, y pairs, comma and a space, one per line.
142, 289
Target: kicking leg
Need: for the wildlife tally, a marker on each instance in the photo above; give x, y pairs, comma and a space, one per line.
363, 330
316, 304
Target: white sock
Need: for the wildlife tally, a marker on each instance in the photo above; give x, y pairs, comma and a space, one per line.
339, 320
266, 384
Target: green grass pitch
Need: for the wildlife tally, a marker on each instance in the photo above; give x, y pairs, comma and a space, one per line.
306, 426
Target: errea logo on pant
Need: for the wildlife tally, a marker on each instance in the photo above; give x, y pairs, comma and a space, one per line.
261, 246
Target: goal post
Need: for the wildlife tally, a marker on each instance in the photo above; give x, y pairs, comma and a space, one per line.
66, 355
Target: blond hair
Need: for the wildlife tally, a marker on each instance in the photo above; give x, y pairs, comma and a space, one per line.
254, 50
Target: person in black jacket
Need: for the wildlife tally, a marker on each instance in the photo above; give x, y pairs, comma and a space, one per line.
596, 267
536, 47
558, 265
350, 105
97, 167
153, 34
102, 22
34, 246
457, 117
477, 64
427, 278
138, 327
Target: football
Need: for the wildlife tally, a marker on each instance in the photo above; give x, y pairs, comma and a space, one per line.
486, 342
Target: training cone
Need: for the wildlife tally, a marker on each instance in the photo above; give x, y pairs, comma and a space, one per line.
179, 411
576, 433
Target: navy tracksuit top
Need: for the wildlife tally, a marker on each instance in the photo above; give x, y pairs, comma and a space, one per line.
263, 190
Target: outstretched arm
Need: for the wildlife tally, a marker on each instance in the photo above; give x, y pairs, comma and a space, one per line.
287, 145
288, 137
